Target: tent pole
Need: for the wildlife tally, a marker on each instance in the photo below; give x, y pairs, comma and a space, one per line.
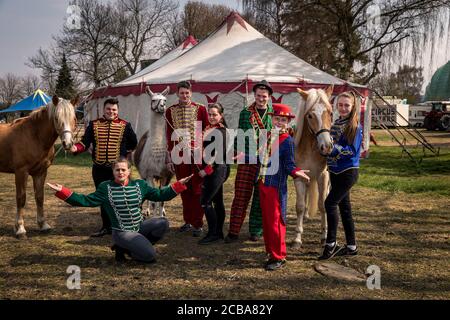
246, 90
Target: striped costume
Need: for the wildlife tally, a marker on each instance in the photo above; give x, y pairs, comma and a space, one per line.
122, 203
246, 176
193, 119
109, 140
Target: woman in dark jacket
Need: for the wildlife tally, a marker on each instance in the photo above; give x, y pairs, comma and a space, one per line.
215, 172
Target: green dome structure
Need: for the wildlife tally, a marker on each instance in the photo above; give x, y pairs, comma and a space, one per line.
439, 87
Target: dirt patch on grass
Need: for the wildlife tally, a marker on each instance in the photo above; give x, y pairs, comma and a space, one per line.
407, 236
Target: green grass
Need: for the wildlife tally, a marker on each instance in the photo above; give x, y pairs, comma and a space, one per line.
406, 235
386, 169
80, 160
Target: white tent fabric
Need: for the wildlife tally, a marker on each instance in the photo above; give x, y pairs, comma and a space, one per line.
223, 68
234, 52
187, 44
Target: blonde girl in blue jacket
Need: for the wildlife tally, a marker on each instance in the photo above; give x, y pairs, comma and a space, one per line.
343, 165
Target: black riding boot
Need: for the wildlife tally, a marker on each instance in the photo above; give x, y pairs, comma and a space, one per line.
120, 253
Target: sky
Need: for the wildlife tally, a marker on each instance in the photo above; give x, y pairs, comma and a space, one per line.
27, 25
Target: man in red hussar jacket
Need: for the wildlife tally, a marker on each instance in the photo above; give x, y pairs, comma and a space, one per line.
185, 122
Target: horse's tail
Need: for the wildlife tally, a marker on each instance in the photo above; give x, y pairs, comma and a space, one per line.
312, 198
131, 159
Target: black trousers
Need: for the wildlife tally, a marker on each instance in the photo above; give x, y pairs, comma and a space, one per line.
339, 196
100, 174
212, 199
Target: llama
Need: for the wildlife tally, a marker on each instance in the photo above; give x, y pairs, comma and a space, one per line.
150, 154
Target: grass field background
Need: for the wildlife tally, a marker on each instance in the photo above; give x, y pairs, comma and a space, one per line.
402, 225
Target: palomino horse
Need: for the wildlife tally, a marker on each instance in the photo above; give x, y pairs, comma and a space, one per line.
27, 149
312, 143
150, 154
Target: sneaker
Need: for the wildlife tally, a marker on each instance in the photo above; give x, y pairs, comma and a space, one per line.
254, 238
273, 265
330, 252
197, 232
102, 232
230, 238
210, 239
185, 227
346, 251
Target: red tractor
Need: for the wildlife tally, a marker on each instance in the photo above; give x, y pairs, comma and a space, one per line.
438, 117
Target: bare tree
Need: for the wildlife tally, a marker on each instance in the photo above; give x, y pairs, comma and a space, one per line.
88, 48
197, 19
406, 83
30, 83
200, 19
47, 60
139, 25
174, 34
109, 42
379, 27
348, 38
267, 17
10, 89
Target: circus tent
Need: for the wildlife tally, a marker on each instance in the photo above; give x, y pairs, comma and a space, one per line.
223, 68
38, 99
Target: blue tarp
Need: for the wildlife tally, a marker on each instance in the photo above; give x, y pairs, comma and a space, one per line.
36, 100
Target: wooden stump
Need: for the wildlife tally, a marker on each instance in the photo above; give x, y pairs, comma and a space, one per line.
340, 272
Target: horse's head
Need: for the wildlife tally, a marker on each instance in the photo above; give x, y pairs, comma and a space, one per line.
317, 116
62, 112
158, 100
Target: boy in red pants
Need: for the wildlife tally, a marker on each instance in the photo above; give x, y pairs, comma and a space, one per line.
277, 166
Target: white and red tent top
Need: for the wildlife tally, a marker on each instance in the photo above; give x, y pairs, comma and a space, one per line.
187, 44
234, 53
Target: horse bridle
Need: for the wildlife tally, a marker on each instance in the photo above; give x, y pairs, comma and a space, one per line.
316, 134
66, 131
319, 132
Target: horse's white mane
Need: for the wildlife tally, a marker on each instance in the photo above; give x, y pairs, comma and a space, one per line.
314, 96
64, 112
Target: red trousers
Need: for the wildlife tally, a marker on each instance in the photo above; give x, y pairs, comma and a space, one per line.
274, 229
192, 210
